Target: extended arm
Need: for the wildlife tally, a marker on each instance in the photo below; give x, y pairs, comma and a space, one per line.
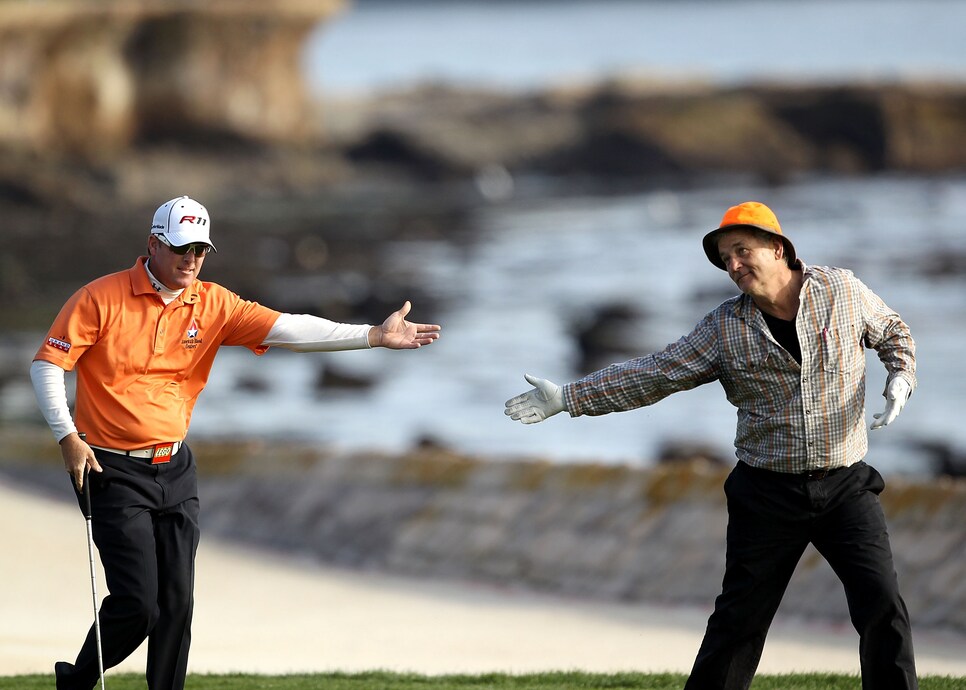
306, 333
687, 363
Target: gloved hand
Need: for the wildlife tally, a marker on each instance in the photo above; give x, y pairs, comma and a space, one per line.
897, 392
545, 400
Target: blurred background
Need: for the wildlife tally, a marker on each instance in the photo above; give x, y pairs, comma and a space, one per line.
535, 176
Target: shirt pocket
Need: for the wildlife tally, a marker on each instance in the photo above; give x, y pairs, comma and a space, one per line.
841, 351
758, 382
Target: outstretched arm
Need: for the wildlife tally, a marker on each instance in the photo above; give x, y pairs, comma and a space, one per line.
306, 333
396, 333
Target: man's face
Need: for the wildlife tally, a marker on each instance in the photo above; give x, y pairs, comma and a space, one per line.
752, 262
175, 271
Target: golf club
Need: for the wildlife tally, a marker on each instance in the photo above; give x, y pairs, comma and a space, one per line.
90, 552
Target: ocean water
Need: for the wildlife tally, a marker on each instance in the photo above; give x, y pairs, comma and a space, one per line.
537, 265
527, 44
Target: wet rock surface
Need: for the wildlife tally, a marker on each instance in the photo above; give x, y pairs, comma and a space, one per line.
607, 532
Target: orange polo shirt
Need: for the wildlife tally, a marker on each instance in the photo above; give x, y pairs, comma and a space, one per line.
141, 365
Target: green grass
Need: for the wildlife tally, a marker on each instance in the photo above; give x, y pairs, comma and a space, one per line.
379, 680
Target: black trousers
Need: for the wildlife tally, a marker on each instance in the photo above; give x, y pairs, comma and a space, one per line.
145, 526
772, 517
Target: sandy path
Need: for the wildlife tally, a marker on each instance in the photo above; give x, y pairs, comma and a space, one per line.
263, 614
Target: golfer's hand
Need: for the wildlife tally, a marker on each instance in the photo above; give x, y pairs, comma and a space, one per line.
897, 392
545, 400
78, 456
398, 334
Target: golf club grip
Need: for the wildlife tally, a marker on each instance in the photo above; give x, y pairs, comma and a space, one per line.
87, 484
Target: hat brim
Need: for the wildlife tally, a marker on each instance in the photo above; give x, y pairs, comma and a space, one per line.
710, 242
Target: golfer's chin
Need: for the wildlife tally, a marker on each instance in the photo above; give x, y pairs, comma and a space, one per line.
183, 279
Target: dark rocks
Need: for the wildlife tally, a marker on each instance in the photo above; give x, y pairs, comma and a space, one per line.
846, 127
402, 154
330, 377
692, 453
946, 459
611, 153
607, 335
677, 134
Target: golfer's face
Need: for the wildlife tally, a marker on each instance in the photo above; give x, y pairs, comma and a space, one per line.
175, 271
750, 261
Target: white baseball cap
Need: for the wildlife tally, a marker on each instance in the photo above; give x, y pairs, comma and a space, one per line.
182, 221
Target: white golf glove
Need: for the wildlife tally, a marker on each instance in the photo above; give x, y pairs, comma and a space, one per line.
897, 392
545, 400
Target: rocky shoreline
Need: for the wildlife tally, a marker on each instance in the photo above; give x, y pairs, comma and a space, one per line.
416, 164
607, 533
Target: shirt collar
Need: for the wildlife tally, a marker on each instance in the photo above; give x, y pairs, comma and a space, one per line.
745, 307
141, 283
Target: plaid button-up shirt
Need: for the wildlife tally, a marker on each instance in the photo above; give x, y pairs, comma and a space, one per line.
791, 417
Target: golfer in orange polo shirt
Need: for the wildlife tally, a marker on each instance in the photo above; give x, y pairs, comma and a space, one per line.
142, 343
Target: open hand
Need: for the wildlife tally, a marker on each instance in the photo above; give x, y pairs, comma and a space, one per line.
398, 334
545, 400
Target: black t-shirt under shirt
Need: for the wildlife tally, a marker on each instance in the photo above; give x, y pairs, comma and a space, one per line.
786, 335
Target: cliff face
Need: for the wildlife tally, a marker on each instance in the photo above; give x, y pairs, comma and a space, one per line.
89, 77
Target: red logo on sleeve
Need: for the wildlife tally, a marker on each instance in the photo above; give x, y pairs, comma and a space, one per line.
59, 344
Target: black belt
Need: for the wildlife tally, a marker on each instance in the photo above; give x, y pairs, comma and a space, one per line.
819, 475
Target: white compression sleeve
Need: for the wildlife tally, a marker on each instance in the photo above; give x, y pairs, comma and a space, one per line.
51, 392
306, 333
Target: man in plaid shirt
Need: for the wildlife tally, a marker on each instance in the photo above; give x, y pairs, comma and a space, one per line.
789, 353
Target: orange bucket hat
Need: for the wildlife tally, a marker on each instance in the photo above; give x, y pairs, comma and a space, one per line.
750, 214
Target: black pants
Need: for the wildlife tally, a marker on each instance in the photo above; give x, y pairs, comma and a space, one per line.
772, 517
145, 526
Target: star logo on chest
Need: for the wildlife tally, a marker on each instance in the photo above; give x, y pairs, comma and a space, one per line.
193, 330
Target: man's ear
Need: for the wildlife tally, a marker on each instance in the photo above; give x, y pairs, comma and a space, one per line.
779, 247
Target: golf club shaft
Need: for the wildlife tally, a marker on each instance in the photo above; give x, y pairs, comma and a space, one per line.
90, 553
